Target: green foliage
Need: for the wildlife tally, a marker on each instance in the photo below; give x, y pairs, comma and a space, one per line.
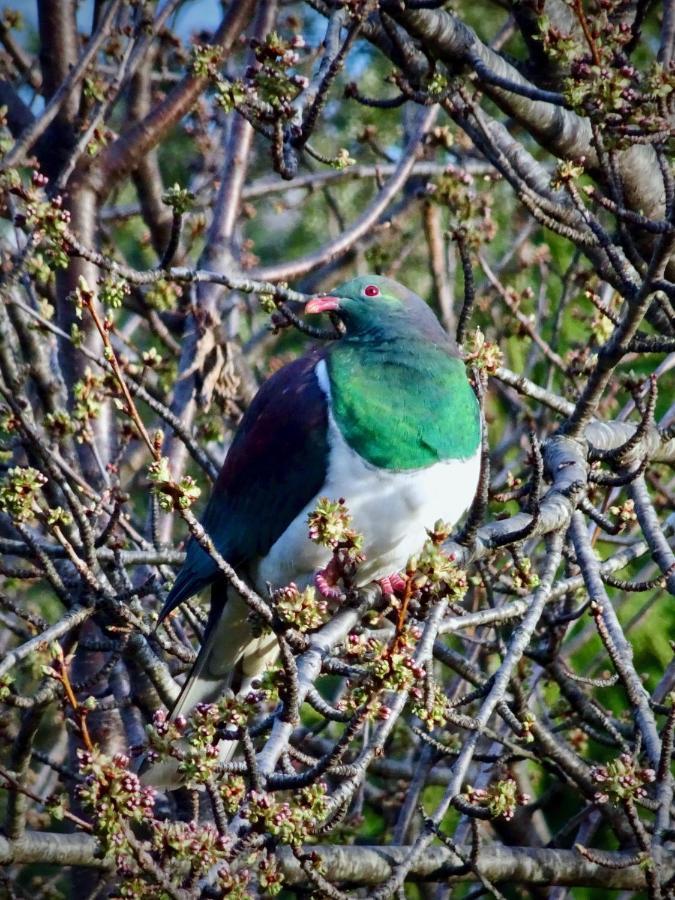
205, 60
88, 393
162, 295
113, 290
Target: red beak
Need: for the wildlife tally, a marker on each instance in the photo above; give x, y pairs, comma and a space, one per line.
322, 304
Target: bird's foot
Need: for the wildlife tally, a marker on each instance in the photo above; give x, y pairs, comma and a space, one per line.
392, 584
326, 582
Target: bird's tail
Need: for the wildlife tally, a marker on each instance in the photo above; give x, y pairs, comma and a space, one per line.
230, 659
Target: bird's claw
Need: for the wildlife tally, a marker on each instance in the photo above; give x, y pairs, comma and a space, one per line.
392, 584
326, 583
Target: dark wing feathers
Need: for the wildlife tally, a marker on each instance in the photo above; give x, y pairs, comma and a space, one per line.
277, 462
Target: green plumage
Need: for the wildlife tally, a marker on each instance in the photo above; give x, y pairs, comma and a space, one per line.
434, 416
400, 394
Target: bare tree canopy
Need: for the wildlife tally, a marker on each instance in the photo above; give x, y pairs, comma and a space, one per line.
177, 179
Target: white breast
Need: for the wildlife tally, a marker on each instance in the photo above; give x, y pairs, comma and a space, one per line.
391, 509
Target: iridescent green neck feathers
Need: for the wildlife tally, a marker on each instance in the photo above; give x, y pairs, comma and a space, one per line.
403, 403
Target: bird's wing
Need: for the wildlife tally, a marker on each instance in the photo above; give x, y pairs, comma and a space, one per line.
277, 462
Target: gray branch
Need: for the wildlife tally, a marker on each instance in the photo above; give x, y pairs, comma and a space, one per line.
365, 865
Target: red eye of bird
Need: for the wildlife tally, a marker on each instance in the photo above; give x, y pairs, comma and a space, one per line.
371, 291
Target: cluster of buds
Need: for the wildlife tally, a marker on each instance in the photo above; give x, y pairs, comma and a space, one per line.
279, 818
291, 821
189, 848
234, 882
9, 422
114, 793
501, 798
171, 494
82, 297
625, 513
271, 73
193, 741
183, 851
330, 526
197, 765
232, 790
208, 719
602, 325
151, 358
342, 160
433, 573
360, 647
603, 83
198, 751
238, 711
6, 139
567, 171
470, 209
100, 138
163, 734
6, 685
112, 291
162, 295
37, 266
58, 516
269, 85
397, 670
19, 491
179, 199
89, 393
205, 60
269, 876
621, 779
385, 668
302, 609
482, 354
523, 576
43, 217
429, 704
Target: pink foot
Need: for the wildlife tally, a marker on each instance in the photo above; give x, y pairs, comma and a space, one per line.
325, 581
392, 584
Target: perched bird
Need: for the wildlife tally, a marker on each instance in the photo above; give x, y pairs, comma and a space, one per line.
384, 418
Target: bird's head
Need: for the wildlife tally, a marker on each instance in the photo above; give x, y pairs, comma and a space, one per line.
373, 305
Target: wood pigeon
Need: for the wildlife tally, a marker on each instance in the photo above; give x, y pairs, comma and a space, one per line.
385, 418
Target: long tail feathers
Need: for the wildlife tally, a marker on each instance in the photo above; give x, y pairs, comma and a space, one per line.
185, 586
231, 658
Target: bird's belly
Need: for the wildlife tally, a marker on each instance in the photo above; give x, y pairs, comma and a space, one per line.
391, 509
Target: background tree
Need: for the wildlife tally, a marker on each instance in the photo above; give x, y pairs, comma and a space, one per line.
169, 170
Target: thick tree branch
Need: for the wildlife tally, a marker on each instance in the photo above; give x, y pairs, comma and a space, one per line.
124, 155
371, 865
